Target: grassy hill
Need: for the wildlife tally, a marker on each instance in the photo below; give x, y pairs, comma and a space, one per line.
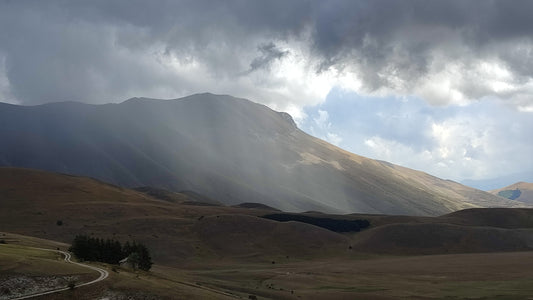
520, 191
57, 207
34, 201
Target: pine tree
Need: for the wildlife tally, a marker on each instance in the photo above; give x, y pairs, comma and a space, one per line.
145, 261
111, 251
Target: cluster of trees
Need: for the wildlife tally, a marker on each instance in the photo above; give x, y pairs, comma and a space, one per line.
510, 194
337, 225
111, 251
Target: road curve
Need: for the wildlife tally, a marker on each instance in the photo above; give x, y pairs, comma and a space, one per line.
103, 275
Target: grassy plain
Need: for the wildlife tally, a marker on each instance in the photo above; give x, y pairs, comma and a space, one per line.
357, 276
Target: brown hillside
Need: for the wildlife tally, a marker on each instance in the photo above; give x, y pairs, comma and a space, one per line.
525, 188
249, 236
256, 206
437, 238
494, 217
32, 203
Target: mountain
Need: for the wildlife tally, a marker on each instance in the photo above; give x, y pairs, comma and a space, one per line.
224, 148
498, 182
520, 191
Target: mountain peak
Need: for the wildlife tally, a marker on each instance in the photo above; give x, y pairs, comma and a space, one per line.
207, 102
287, 117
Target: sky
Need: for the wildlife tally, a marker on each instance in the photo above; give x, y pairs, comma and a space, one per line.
445, 87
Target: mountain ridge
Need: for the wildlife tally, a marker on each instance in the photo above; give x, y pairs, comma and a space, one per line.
229, 149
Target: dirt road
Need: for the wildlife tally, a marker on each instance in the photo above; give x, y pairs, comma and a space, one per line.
103, 275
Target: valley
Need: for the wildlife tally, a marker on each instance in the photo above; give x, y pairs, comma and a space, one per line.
457, 276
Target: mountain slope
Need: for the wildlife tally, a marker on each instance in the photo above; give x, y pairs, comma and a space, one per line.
33, 201
228, 149
520, 191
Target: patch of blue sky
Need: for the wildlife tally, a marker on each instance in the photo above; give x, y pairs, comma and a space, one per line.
484, 139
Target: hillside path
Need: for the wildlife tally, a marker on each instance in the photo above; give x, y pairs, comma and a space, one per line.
103, 275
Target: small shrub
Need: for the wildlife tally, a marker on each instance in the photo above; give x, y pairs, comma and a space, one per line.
59, 223
71, 284
3, 242
252, 297
5, 291
134, 260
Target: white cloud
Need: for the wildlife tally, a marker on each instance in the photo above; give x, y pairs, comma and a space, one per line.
333, 138
480, 140
321, 127
5, 89
322, 119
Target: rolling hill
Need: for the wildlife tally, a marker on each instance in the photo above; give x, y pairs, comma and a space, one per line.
520, 191
211, 252
227, 149
33, 201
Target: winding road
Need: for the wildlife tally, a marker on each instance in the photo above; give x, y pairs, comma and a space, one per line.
103, 275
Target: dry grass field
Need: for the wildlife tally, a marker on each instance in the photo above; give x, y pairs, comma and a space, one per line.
459, 276
26, 270
359, 276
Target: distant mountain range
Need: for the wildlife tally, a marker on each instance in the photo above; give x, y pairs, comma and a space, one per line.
498, 182
227, 149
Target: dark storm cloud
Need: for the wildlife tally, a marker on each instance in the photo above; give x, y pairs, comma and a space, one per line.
398, 43
269, 53
102, 51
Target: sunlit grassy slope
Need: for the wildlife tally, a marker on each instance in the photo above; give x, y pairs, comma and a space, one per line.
520, 191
